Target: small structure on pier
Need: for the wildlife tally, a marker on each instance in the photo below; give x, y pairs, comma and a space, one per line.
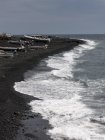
5, 36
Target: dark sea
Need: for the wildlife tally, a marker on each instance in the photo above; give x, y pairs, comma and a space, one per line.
71, 85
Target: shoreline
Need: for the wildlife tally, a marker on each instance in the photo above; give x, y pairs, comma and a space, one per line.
14, 105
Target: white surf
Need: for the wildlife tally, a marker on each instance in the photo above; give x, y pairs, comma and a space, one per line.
61, 96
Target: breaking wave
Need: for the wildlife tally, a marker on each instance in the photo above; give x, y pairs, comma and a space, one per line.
62, 96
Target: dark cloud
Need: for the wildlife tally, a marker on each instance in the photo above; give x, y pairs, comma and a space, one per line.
52, 16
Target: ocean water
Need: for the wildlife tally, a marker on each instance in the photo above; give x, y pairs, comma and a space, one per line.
71, 85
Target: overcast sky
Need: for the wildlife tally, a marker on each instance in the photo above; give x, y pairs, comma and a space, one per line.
52, 16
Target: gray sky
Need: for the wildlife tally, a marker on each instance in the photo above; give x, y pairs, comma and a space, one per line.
52, 16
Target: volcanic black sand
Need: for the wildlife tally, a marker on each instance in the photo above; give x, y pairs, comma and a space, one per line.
13, 105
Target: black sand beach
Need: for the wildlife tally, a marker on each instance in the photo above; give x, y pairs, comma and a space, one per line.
14, 105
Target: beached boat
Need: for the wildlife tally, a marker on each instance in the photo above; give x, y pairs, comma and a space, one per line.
39, 47
14, 42
38, 38
6, 54
12, 48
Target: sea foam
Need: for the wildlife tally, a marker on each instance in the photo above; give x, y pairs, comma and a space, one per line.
61, 96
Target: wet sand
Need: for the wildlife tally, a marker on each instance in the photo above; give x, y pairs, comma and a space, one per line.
13, 105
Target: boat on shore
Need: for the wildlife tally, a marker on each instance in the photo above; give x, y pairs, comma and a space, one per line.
14, 42
38, 38
21, 48
6, 54
39, 47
